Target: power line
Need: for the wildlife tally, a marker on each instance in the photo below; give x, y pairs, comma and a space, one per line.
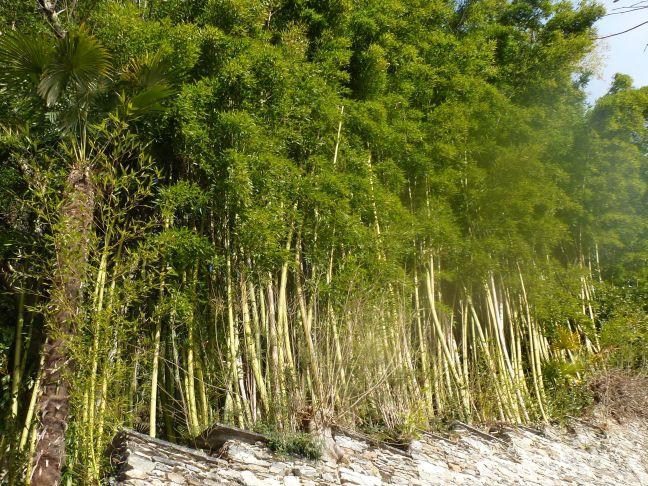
623, 32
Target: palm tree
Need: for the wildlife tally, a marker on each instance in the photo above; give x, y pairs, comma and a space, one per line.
69, 76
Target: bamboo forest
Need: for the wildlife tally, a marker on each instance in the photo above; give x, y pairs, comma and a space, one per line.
383, 214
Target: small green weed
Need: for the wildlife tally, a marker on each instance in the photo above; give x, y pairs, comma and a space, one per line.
293, 443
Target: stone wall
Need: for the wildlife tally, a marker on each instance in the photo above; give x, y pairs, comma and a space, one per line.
578, 454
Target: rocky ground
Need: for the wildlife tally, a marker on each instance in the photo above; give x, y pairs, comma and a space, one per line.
612, 454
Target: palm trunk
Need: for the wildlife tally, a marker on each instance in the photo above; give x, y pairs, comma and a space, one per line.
72, 242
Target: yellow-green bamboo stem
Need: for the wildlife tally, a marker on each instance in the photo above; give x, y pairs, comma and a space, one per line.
441, 335
18, 345
237, 398
191, 379
306, 316
202, 389
502, 391
276, 352
31, 408
154, 377
498, 324
254, 358
176, 374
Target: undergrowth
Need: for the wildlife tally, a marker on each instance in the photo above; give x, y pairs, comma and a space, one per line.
300, 444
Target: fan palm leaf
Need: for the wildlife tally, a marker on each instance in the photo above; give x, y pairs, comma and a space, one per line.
146, 71
23, 59
147, 78
79, 62
149, 99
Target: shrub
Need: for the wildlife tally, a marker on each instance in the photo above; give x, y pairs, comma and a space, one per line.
295, 443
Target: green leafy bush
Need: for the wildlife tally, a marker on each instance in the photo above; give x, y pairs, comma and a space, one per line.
294, 443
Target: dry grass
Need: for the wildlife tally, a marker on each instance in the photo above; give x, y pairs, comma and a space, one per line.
620, 394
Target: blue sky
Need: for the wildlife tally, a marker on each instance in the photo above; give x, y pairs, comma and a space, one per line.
626, 53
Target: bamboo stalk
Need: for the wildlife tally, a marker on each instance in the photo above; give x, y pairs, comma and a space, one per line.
154, 377
254, 357
306, 316
534, 354
236, 398
448, 361
18, 344
31, 408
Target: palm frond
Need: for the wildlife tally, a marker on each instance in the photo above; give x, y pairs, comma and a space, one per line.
148, 79
23, 58
147, 71
149, 99
79, 61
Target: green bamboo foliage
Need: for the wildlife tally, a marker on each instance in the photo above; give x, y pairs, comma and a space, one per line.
380, 215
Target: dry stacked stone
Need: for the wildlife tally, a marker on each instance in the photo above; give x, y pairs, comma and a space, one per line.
580, 454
